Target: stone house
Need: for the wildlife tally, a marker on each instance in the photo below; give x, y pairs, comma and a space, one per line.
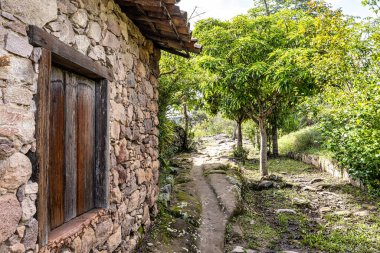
78, 120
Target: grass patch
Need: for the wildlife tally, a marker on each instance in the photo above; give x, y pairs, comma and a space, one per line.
307, 140
278, 166
357, 237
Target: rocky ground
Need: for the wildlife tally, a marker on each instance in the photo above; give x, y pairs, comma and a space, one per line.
300, 209
212, 203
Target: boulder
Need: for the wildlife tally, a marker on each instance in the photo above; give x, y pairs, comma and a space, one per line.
94, 31
114, 240
88, 240
16, 170
17, 248
103, 230
265, 185
18, 95
80, 18
134, 201
10, 215
6, 150
33, 12
31, 234
18, 45
111, 41
82, 43
16, 69
28, 209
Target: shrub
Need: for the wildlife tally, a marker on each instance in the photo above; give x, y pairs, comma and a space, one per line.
352, 131
303, 140
240, 153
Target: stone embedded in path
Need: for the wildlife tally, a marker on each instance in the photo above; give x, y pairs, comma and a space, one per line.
316, 180
265, 185
301, 202
370, 207
289, 211
324, 209
237, 233
238, 249
272, 177
309, 188
362, 213
342, 213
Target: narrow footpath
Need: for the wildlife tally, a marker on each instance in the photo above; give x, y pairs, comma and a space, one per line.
215, 195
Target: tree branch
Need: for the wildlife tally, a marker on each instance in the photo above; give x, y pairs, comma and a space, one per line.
168, 73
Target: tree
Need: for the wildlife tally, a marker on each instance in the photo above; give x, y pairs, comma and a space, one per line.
225, 104
374, 5
268, 7
260, 63
178, 90
347, 110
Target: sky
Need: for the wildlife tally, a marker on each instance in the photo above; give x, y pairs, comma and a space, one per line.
226, 9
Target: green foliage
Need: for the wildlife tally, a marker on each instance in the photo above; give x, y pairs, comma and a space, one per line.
213, 125
304, 140
260, 64
178, 86
374, 5
240, 153
351, 126
250, 131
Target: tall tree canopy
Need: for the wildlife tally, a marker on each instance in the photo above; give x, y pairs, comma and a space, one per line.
260, 62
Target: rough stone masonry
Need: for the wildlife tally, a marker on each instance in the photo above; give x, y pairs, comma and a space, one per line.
100, 30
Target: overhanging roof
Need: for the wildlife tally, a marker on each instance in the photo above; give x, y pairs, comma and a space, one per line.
164, 23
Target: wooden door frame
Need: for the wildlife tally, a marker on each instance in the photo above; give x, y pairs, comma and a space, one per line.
54, 51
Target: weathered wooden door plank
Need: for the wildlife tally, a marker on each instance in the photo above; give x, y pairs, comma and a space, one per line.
57, 149
102, 144
85, 147
70, 146
42, 139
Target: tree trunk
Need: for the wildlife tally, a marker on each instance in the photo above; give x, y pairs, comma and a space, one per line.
234, 132
275, 140
263, 148
266, 7
239, 135
258, 139
269, 140
186, 117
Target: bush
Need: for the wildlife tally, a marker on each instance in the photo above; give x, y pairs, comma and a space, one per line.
306, 140
240, 153
352, 131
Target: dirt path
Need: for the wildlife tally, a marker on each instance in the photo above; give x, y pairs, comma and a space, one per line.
213, 219
216, 192
204, 193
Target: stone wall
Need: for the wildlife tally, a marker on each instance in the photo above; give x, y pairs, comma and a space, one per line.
326, 165
99, 29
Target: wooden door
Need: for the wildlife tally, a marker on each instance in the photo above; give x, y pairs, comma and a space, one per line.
71, 147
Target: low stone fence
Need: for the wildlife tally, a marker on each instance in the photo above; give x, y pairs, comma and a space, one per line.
325, 164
